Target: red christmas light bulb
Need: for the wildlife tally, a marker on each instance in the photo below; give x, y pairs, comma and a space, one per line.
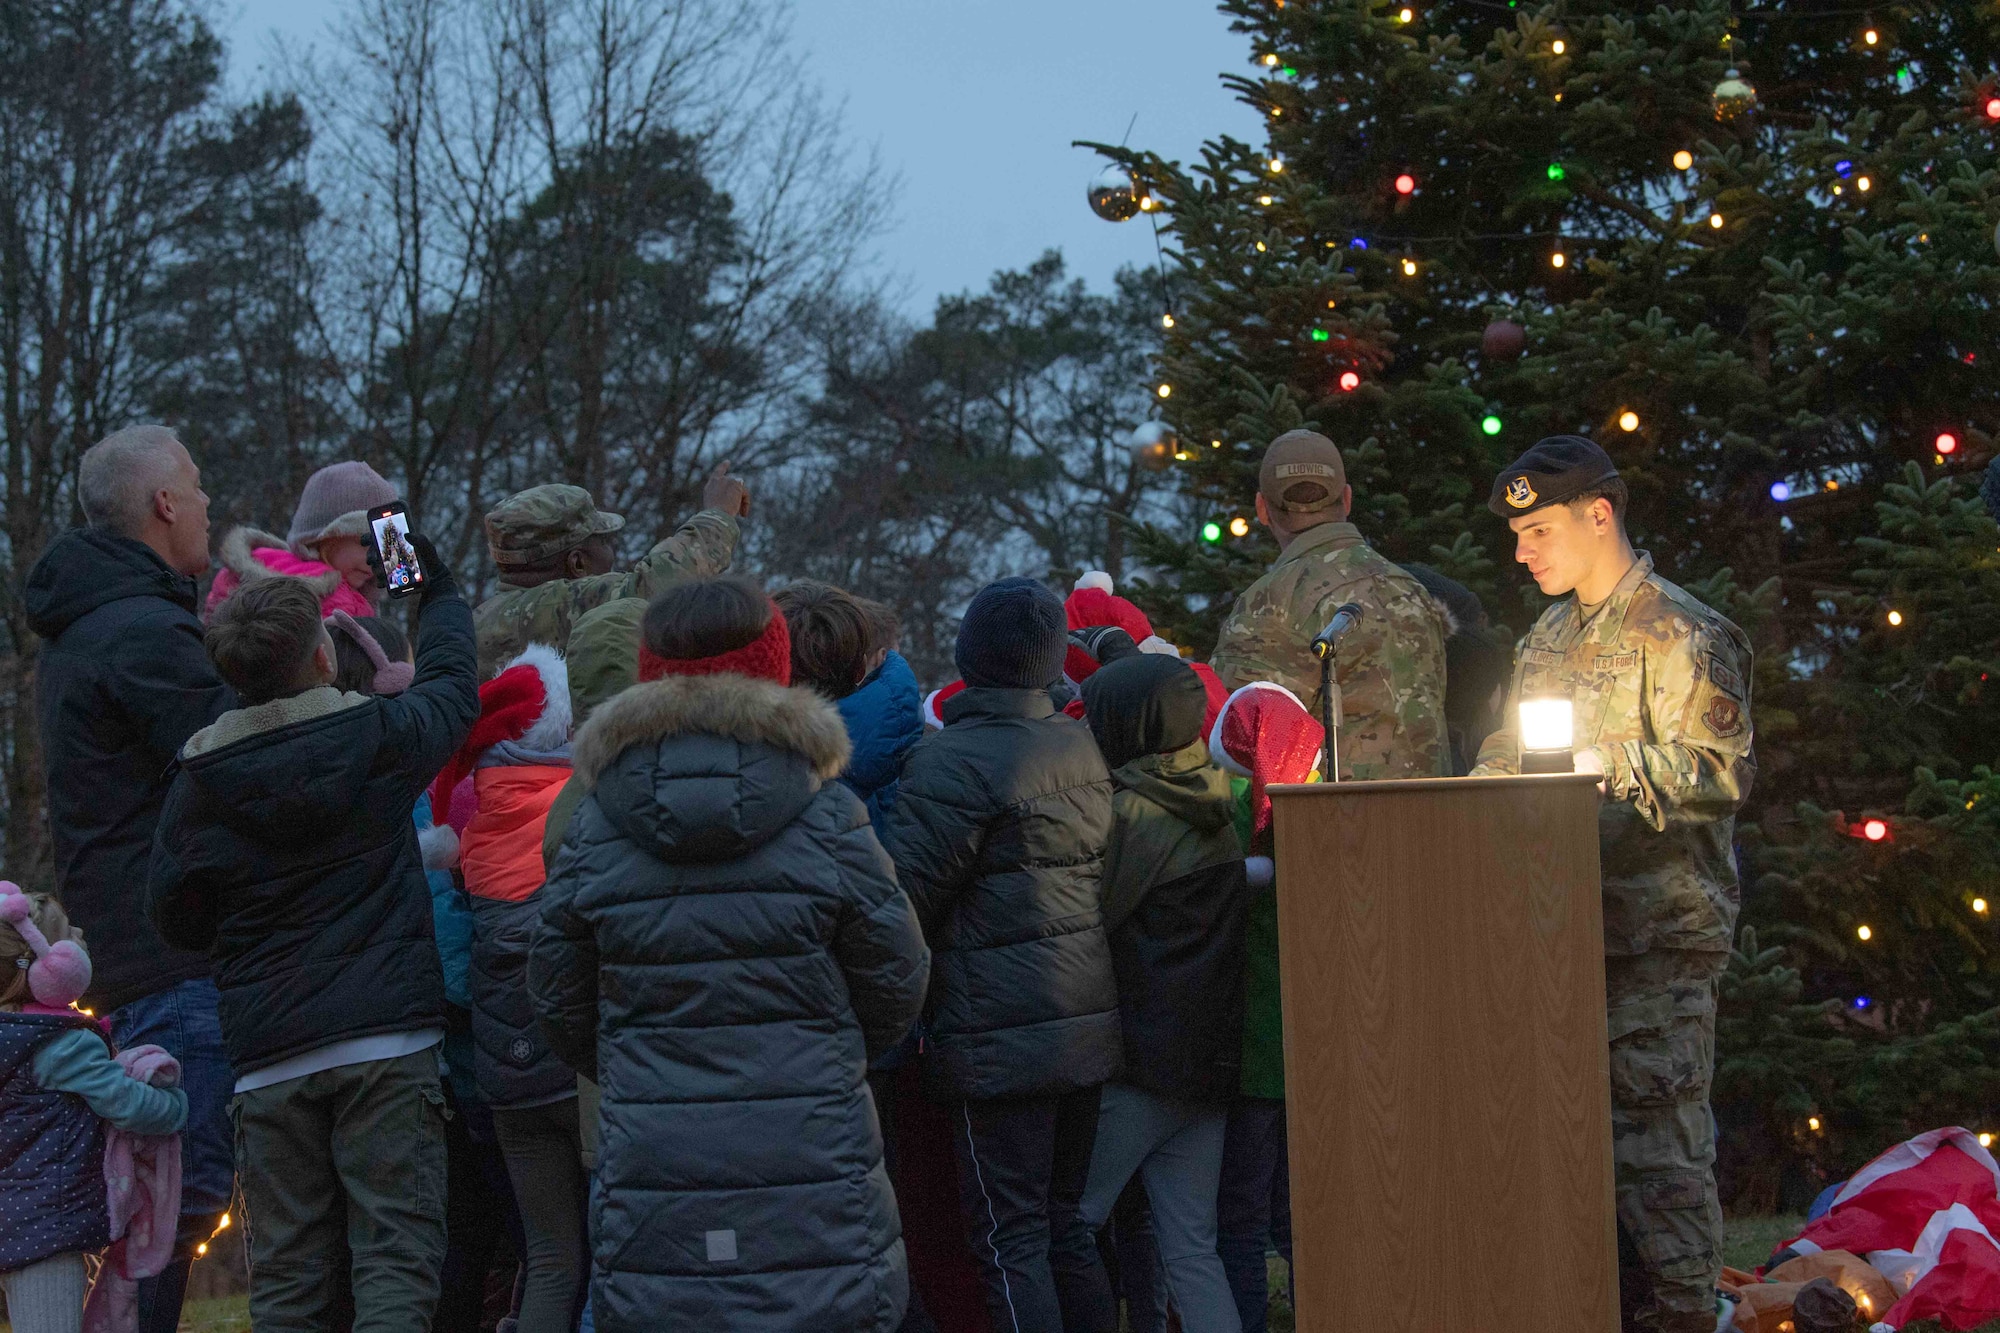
1406, 184
1349, 381
1947, 443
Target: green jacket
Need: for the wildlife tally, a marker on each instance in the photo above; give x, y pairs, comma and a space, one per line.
513, 618
1263, 1006
603, 662
1659, 687
1390, 666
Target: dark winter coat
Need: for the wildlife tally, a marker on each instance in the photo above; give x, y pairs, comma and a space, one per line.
884, 718
287, 850
722, 945
1177, 908
121, 683
999, 832
52, 1198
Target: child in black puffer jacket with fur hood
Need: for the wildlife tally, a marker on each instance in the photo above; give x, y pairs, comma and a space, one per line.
723, 944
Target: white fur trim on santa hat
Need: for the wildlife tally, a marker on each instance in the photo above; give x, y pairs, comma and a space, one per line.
552, 729
1222, 757
1153, 643
931, 718
1095, 578
439, 844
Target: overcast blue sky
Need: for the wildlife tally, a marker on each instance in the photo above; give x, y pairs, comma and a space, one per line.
974, 104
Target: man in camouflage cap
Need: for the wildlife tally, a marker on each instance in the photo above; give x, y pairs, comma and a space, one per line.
1390, 666
552, 546
1659, 685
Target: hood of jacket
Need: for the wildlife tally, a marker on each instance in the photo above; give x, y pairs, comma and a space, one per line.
86, 568
251, 554
289, 766
1186, 784
883, 720
706, 768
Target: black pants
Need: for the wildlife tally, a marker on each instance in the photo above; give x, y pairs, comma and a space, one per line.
1022, 1166
545, 1162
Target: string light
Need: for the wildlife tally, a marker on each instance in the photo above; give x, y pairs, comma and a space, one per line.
1406, 184
1979, 906
1490, 424
1715, 221
1270, 59
1683, 160
1874, 830
1276, 164
1260, 247
1993, 108
1946, 442
1167, 320
1165, 391
1320, 335
1558, 46
1409, 268
1556, 171
1407, 15
1239, 526
1895, 618
1147, 203
1812, 1123
1211, 532
1265, 200
1863, 184
201, 1250
1986, 1140
1871, 37
1349, 381
1628, 421
1864, 934
1215, 444
1558, 259
1781, 491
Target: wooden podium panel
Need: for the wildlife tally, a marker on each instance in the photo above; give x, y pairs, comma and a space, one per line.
1447, 1076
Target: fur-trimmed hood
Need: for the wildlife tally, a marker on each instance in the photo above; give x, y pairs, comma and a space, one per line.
737, 708
709, 768
238, 555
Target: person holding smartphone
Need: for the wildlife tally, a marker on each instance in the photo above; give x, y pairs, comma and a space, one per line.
555, 555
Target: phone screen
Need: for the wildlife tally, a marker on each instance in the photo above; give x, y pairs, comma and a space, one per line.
401, 570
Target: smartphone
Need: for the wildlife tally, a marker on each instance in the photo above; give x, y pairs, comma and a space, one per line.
401, 570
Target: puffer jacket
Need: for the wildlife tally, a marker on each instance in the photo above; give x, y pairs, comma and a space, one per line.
999, 833
722, 945
52, 1195
247, 555
1177, 908
884, 718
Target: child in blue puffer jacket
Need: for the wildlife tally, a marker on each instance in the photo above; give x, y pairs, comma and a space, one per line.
845, 647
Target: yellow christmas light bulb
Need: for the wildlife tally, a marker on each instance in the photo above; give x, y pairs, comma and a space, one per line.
1863, 184
1812, 1123
1260, 247
1407, 14
1715, 221
1239, 526
1683, 160
1409, 268
1865, 934
1165, 391
1978, 904
1558, 259
1895, 617
1986, 1140
1558, 46
1270, 59
1277, 164
1166, 321
1265, 200
1628, 421
223, 1225
1871, 37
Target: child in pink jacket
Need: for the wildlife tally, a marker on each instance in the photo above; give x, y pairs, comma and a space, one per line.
327, 545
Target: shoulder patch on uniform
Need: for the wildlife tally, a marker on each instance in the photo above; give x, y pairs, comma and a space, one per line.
1724, 717
1725, 678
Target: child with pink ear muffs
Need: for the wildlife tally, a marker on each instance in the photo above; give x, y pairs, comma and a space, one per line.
62, 1096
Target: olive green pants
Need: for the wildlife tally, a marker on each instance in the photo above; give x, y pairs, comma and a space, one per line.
343, 1177
1661, 1010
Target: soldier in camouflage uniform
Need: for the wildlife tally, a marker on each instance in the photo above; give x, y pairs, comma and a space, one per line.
553, 550
1659, 685
1390, 666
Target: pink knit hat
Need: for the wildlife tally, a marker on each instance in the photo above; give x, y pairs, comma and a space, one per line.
335, 503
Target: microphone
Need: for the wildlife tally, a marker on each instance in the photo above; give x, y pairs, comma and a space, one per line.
1343, 620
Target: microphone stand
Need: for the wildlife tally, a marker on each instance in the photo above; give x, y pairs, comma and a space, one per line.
1329, 712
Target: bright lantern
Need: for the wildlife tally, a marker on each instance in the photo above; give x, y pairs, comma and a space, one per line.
1546, 724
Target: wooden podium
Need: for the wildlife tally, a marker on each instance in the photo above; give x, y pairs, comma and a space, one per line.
1447, 1080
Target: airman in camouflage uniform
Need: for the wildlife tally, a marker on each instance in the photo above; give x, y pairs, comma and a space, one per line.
1659, 686
552, 547
1390, 666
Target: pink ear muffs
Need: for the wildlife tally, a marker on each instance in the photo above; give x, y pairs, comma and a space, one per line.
60, 973
390, 677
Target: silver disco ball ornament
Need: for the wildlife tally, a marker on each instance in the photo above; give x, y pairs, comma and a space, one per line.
1734, 97
1114, 195
1154, 445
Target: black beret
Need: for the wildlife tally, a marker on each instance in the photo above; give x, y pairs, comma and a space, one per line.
1559, 468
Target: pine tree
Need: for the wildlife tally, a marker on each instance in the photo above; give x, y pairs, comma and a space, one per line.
1752, 250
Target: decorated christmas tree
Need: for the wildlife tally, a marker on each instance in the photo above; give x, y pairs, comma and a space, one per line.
1751, 250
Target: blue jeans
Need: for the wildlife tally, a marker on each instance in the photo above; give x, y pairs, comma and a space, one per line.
183, 1020
1176, 1148
1254, 1209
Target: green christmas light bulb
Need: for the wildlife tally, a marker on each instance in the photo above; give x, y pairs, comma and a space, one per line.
1211, 532
1491, 425
1321, 335
1556, 171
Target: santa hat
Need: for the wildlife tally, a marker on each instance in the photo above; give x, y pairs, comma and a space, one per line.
1091, 604
1265, 734
935, 701
527, 702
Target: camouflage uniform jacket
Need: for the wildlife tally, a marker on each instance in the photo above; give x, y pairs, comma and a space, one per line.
1390, 665
1660, 687
513, 618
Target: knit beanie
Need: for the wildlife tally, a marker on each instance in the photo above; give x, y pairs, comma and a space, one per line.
335, 503
1013, 637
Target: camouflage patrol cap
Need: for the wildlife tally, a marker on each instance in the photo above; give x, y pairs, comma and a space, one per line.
1552, 472
545, 521
1302, 473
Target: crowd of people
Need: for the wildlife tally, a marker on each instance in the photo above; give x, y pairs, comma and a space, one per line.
654, 942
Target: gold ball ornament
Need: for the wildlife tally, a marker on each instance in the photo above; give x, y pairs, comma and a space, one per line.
1733, 97
1154, 445
1114, 195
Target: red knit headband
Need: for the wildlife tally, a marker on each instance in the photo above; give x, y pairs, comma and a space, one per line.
768, 657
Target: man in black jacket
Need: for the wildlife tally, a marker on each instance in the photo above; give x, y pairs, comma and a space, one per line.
998, 834
286, 848
121, 683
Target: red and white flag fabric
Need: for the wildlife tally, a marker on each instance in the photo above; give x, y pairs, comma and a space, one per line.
1925, 1214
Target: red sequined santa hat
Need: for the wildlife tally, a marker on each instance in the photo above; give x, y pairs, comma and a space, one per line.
1265, 734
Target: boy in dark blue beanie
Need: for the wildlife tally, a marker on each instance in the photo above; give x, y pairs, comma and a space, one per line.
999, 834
